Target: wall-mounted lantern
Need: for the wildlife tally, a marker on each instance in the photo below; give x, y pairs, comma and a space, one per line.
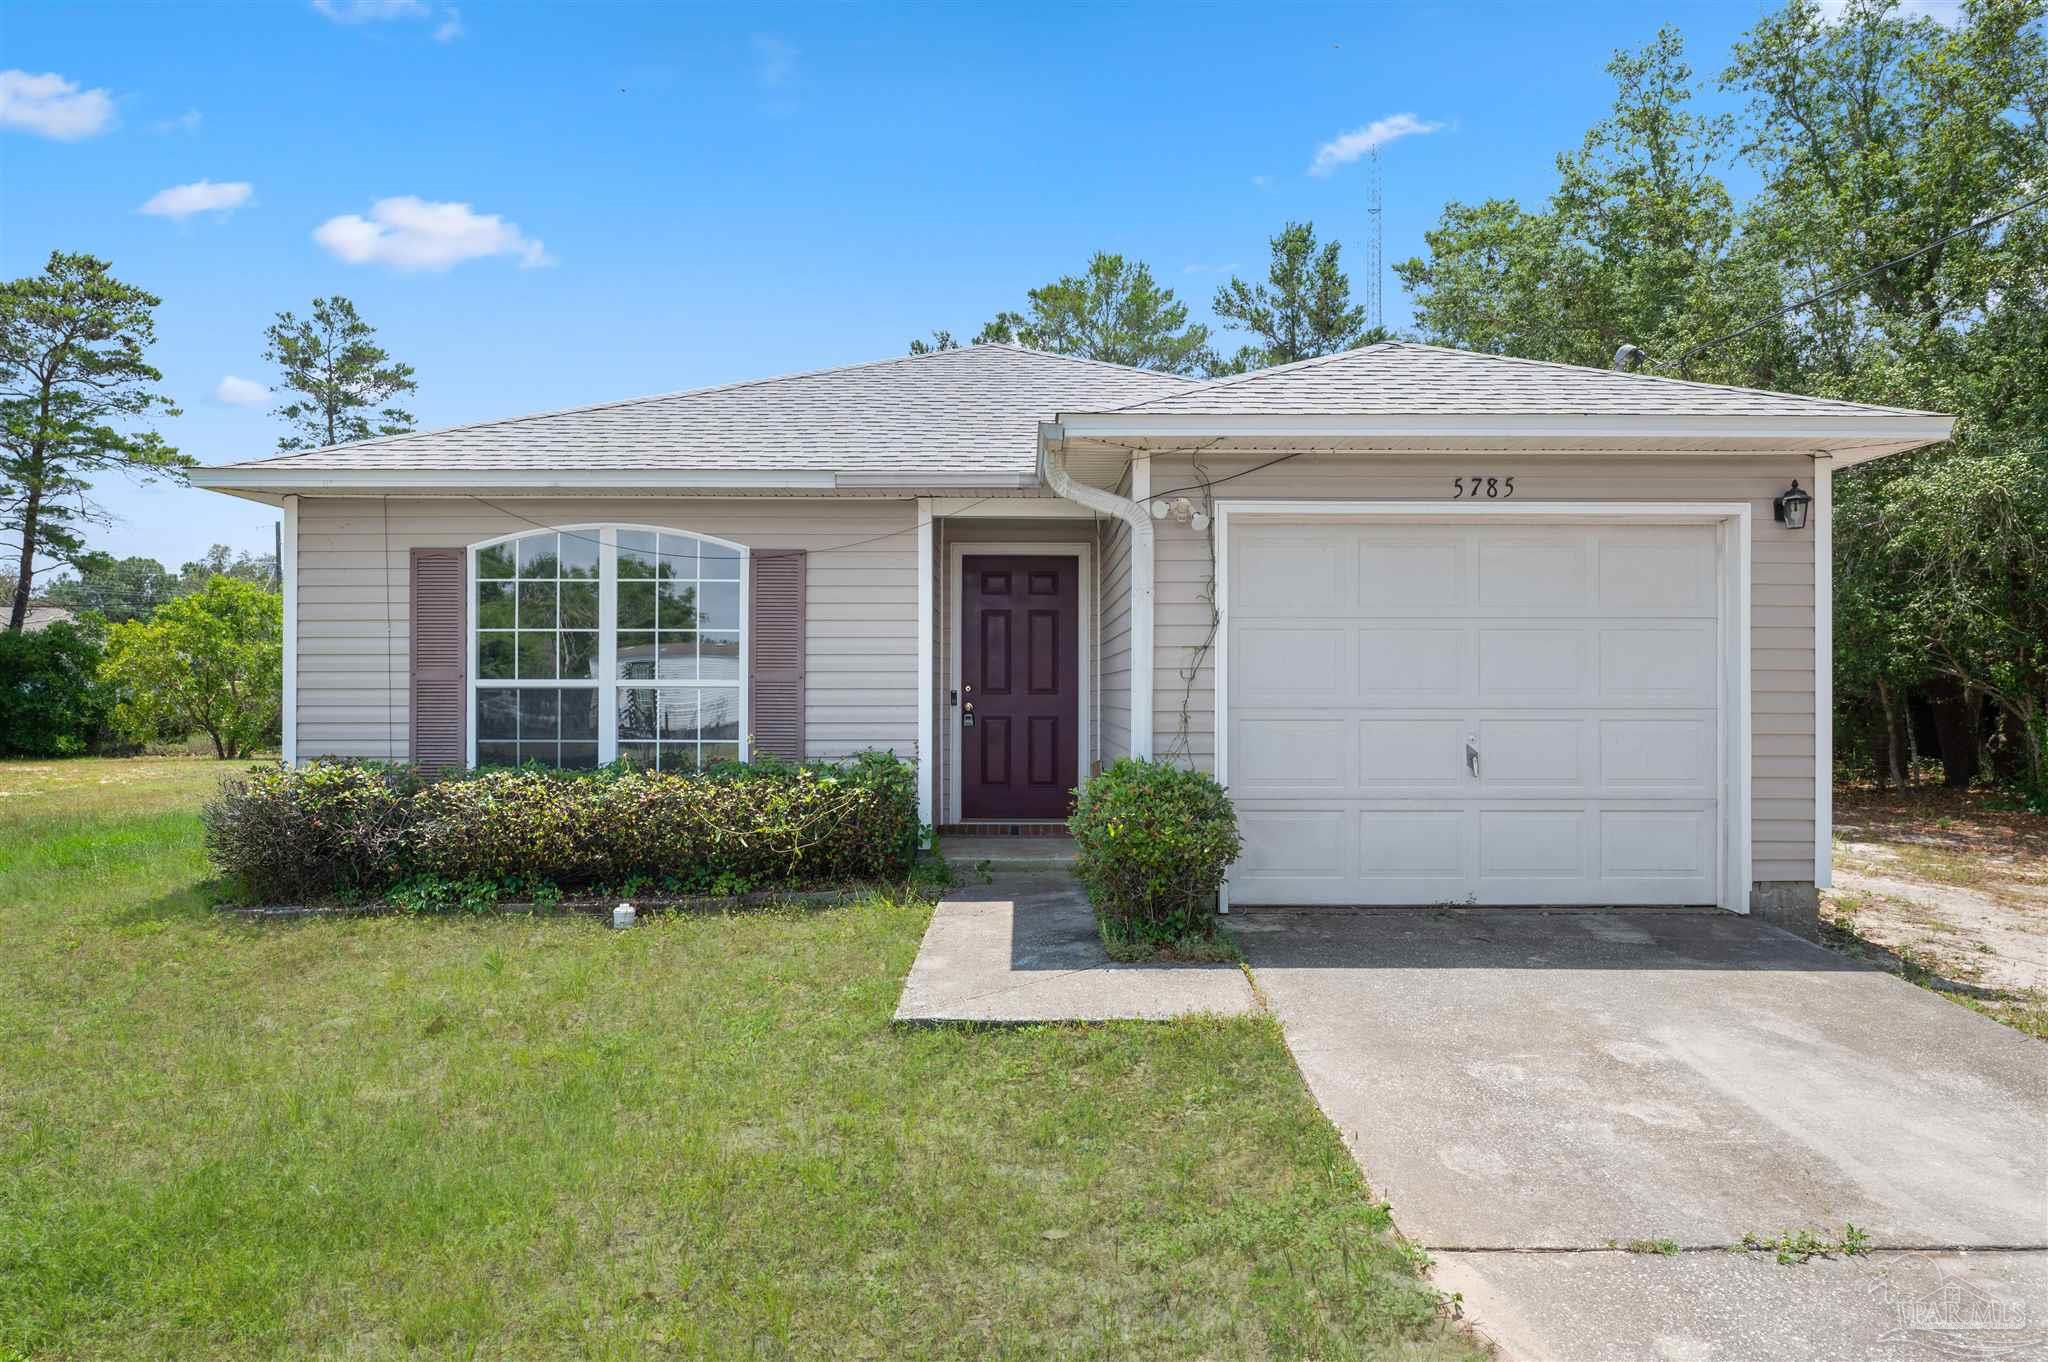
1791, 506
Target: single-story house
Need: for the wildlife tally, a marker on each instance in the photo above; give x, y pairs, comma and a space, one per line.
1451, 627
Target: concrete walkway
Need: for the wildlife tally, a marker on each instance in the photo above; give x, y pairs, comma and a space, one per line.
1024, 949
1532, 1089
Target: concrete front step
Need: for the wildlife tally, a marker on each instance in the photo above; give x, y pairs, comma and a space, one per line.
1038, 855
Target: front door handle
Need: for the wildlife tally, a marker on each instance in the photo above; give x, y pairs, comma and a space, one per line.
1472, 756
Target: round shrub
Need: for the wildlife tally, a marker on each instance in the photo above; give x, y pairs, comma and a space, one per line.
1152, 843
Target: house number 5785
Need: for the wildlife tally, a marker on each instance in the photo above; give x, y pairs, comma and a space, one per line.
1478, 485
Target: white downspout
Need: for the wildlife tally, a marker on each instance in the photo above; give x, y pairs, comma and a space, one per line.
1052, 441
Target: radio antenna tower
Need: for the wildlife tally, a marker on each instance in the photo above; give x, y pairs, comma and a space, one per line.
1376, 315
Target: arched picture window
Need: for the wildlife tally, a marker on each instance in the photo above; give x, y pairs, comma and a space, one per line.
601, 642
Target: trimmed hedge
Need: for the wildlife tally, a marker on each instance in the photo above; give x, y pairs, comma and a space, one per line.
1152, 843
355, 830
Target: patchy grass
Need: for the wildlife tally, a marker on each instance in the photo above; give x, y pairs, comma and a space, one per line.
527, 1138
1192, 949
1948, 889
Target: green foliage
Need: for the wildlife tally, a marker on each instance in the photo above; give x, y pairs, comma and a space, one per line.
941, 340
52, 702
1942, 571
1302, 311
123, 589
1116, 312
329, 829
211, 661
76, 397
352, 830
1153, 841
1803, 1245
332, 360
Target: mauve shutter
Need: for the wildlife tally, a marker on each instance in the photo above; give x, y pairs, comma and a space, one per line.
775, 649
440, 654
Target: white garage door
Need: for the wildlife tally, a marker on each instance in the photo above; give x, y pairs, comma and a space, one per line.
1461, 712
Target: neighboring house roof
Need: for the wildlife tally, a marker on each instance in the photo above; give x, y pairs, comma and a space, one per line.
41, 615
971, 411
1402, 378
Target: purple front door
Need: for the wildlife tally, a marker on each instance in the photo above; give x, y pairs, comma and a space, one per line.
1020, 695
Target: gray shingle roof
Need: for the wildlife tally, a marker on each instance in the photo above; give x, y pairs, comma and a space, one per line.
1401, 378
972, 411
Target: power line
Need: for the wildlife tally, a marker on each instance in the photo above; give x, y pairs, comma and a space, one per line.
1853, 280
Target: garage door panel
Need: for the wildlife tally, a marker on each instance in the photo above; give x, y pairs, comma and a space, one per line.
1413, 572
1552, 573
1304, 570
1549, 664
1674, 755
1294, 843
1678, 665
1292, 664
1413, 753
1582, 661
1404, 661
1419, 842
1524, 842
1660, 843
1665, 570
1279, 756
1532, 752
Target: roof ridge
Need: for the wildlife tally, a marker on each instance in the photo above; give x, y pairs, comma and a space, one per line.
1661, 378
1082, 359
1231, 380
792, 376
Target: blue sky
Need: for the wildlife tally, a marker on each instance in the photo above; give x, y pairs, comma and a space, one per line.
661, 197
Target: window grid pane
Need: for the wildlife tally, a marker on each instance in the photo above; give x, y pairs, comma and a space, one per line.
676, 605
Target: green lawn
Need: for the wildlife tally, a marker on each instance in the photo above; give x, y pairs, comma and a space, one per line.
536, 1138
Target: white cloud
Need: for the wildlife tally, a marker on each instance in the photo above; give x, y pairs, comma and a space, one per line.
240, 392
52, 106
1947, 13
410, 233
1344, 149
774, 61
450, 28
370, 11
201, 196
187, 121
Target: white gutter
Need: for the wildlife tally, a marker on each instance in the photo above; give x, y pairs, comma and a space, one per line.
1051, 446
1907, 431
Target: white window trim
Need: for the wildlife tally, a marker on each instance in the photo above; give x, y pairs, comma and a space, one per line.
1822, 523
608, 682
288, 573
1084, 554
1732, 807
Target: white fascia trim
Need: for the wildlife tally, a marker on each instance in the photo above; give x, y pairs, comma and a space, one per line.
1085, 668
1818, 431
288, 571
1010, 508
927, 653
1733, 518
1823, 522
510, 479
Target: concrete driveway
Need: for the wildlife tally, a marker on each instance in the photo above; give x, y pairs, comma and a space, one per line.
1532, 1089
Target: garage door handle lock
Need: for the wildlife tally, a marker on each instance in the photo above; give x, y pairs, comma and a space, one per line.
1472, 756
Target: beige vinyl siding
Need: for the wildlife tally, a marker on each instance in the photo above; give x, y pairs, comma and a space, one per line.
972, 530
1781, 603
861, 648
